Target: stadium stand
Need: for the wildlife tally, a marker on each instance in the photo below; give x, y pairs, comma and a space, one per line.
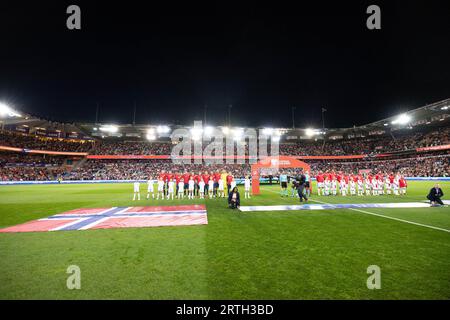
33, 149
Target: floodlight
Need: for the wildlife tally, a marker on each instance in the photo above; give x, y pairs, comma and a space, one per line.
150, 136
402, 119
6, 111
276, 138
109, 128
310, 132
267, 131
237, 133
225, 130
196, 133
209, 130
163, 129
445, 107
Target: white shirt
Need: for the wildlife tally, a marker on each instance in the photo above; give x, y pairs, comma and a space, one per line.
211, 184
171, 185
180, 186
201, 185
160, 185
191, 184
247, 183
150, 186
136, 186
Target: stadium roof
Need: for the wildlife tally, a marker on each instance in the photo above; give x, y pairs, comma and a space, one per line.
432, 115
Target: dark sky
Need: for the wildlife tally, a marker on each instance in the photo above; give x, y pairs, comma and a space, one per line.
263, 58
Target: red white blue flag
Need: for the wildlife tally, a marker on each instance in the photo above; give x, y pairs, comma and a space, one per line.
117, 217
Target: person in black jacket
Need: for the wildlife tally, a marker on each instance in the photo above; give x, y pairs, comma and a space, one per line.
301, 183
435, 195
234, 200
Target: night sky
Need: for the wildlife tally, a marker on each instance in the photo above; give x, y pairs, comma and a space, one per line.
262, 58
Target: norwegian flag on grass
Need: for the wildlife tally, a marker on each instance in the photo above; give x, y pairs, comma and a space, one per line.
117, 217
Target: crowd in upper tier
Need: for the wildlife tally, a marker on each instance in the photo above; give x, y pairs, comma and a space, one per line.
23, 141
368, 145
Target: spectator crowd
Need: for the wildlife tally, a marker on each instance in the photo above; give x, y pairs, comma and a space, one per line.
21, 166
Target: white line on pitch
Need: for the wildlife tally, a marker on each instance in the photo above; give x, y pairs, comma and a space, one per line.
381, 215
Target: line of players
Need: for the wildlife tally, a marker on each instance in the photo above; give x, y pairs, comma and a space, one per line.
170, 186
377, 184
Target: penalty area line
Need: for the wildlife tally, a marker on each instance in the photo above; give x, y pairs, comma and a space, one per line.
379, 215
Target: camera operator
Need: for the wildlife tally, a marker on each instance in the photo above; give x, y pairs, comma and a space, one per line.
301, 184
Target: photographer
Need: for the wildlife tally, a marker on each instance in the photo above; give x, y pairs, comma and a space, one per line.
234, 199
301, 183
435, 195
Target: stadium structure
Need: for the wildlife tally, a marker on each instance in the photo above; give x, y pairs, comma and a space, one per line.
62, 150
71, 204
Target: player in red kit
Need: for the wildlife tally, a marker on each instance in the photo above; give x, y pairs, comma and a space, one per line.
197, 178
205, 177
229, 180
320, 183
216, 178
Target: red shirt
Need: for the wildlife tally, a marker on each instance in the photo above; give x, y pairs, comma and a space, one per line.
161, 176
229, 179
177, 178
216, 177
346, 178
319, 178
186, 178
402, 183
165, 177
197, 178
169, 177
205, 178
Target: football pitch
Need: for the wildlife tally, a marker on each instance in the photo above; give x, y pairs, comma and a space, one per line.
307, 254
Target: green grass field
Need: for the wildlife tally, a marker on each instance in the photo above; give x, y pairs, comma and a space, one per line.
257, 255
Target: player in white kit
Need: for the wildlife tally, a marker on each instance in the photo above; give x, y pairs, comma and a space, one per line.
221, 192
201, 189
191, 185
136, 186
380, 186
334, 187
352, 187
211, 187
160, 189
327, 186
150, 189
180, 194
343, 187
374, 186
396, 185
171, 189
360, 187
247, 187
368, 186
387, 185
233, 184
